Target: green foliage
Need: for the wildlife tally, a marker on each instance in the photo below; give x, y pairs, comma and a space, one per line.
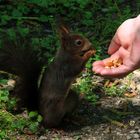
85, 86
114, 90
3, 81
15, 123
5, 101
11, 124
35, 116
4, 96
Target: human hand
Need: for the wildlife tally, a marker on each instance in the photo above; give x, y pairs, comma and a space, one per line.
124, 45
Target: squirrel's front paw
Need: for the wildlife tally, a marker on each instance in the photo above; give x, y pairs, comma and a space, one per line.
90, 53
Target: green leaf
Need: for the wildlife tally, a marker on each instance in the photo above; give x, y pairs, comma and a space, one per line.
3, 81
33, 127
33, 114
83, 3
4, 95
23, 31
16, 13
11, 33
39, 118
43, 18
88, 15
5, 17
23, 9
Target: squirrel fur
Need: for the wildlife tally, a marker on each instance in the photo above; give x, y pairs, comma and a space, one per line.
54, 98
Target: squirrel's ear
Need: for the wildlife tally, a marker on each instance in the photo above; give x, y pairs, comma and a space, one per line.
64, 35
63, 31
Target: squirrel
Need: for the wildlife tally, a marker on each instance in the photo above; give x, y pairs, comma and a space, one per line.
53, 98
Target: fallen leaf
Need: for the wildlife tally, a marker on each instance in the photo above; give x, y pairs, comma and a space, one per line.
130, 95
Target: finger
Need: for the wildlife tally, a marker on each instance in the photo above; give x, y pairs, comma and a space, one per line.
114, 45
123, 53
119, 72
98, 63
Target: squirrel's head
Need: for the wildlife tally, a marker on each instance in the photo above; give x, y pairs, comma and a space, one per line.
74, 43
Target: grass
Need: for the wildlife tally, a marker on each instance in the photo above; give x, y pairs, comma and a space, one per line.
98, 20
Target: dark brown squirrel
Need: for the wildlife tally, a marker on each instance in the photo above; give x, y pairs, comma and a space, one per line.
54, 98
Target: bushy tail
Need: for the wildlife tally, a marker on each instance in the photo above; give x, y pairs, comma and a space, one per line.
21, 59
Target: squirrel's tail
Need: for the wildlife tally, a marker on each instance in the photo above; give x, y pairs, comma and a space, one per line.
21, 59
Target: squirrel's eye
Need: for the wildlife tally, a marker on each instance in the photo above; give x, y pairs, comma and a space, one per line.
78, 42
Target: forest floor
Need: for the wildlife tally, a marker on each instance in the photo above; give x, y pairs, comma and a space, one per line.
112, 118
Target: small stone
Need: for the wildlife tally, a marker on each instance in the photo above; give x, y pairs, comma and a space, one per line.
136, 128
132, 123
42, 138
136, 136
138, 87
132, 131
107, 130
118, 133
135, 102
128, 137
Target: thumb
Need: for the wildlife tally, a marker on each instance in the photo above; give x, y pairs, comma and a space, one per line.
123, 53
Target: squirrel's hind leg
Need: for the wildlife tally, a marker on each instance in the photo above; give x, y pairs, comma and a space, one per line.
54, 112
71, 102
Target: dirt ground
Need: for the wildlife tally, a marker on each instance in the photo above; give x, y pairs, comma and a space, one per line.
112, 118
